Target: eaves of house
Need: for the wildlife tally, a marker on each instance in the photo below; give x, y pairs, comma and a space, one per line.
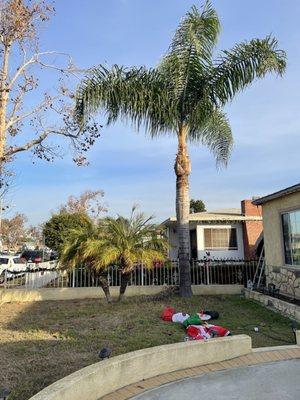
216, 217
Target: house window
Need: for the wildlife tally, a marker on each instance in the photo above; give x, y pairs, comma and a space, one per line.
291, 237
220, 239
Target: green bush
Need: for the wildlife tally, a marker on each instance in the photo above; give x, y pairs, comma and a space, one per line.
58, 228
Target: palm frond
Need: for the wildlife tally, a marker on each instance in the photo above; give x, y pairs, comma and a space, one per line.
190, 54
197, 33
108, 255
122, 241
138, 95
237, 68
214, 132
187, 88
149, 257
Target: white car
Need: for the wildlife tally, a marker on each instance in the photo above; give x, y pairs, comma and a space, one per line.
11, 264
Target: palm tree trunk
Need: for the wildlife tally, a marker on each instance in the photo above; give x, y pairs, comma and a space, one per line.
182, 169
125, 277
105, 287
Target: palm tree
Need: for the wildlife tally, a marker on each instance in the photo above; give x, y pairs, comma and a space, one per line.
73, 254
183, 95
122, 241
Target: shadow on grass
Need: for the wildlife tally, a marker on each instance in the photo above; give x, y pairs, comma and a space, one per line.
44, 341
31, 365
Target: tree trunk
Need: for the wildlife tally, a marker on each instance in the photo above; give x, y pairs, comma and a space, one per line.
105, 287
182, 169
4, 95
125, 277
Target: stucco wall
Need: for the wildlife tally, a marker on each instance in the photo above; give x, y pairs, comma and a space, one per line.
285, 277
97, 380
272, 227
173, 242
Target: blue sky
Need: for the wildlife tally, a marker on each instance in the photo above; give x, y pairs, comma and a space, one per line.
132, 168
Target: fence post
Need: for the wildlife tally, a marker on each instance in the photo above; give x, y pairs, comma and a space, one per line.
5, 279
208, 280
110, 281
73, 278
206, 269
142, 273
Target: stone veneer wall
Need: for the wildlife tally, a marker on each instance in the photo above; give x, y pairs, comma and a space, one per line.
287, 279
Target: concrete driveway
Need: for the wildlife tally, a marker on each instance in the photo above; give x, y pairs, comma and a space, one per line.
274, 381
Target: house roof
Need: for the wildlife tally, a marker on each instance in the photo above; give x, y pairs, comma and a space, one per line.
277, 195
234, 211
230, 215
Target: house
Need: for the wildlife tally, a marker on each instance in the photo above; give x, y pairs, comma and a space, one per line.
226, 234
281, 223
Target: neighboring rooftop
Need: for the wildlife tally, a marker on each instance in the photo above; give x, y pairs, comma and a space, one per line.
277, 195
227, 211
230, 215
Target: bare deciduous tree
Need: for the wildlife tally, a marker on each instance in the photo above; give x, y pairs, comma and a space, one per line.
13, 231
89, 202
35, 233
6, 179
29, 116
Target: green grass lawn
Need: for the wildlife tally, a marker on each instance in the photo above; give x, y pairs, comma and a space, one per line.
45, 341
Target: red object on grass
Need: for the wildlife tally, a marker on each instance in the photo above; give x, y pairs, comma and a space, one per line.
194, 333
167, 314
218, 330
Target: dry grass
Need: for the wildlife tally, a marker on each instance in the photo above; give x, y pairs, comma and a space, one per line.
42, 342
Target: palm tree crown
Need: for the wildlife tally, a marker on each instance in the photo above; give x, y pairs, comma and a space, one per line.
184, 95
122, 241
126, 242
188, 86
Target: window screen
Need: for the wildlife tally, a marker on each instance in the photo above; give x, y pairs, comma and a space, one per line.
220, 239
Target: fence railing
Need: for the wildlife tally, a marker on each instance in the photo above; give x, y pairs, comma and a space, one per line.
203, 272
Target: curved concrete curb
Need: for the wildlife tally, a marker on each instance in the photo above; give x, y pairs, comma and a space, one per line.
263, 355
104, 377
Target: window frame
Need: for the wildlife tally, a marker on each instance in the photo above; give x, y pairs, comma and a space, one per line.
281, 213
211, 248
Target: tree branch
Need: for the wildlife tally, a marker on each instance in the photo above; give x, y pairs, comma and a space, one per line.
20, 71
35, 59
41, 106
17, 149
17, 102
